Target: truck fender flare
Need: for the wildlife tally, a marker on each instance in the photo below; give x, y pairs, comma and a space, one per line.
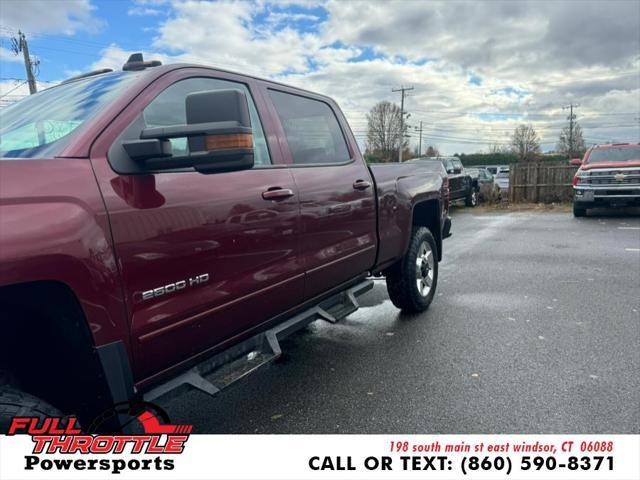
435, 228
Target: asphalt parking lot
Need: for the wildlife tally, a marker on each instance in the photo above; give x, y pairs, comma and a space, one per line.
535, 329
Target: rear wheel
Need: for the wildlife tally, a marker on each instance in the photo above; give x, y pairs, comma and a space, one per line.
412, 281
16, 403
579, 211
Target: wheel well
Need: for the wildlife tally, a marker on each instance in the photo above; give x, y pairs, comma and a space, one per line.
48, 349
427, 214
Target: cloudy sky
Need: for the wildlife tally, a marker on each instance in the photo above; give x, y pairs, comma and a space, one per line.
478, 68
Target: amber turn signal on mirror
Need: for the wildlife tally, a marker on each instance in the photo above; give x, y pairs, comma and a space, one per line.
229, 142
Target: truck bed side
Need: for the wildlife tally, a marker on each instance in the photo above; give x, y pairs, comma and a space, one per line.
399, 188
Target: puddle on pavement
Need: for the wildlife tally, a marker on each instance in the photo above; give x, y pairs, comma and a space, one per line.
364, 325
498, 302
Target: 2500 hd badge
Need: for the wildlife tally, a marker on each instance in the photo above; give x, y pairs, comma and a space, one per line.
174, 287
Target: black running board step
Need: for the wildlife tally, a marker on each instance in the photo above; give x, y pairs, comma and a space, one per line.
345, 303
238, 362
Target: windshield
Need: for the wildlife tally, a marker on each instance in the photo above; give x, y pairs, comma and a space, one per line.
39, 125
620, 154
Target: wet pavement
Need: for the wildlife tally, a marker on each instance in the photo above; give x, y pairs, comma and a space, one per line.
535, 328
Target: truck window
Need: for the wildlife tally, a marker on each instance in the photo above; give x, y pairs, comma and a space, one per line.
41, 125
168, 108
312, 129
448, 165
610, 154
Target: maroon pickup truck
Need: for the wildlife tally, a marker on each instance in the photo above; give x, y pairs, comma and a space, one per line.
163, 227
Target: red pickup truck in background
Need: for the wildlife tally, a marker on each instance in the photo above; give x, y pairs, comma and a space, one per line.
165, 226
608, 177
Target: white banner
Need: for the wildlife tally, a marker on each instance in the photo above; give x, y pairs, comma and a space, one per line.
299, 457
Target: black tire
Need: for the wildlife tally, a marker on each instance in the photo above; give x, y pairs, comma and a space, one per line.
471, 200
16, 403
403, 278
579, 212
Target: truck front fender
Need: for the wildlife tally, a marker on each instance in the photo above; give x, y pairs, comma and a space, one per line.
54, 227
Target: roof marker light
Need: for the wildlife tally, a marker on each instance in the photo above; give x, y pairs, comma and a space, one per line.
136, 62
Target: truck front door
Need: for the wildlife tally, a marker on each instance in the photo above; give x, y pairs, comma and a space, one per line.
204, 258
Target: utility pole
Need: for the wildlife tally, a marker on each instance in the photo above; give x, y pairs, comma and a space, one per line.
20, 45
571, 118
420, 140
402, 90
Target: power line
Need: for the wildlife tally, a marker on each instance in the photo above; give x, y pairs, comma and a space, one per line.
53, 49
39, 80
13, 89
545, 115
35, 36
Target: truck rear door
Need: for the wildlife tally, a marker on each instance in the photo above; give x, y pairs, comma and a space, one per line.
337, 198
464, 178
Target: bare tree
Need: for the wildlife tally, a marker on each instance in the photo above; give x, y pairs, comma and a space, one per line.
498, 148
525, 143
432, 151
571, 145
383, 132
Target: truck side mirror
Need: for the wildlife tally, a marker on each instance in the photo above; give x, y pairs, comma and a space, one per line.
218, 132
575, 161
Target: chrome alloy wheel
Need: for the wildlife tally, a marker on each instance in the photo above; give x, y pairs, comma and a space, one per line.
424, 269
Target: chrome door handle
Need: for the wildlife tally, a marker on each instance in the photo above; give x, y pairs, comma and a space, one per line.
277, 194
361, 184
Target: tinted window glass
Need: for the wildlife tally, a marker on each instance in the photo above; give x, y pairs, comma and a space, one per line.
448, 164
312, 130
622, 154
168, 108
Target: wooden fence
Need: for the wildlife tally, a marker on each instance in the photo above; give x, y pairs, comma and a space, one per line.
541, 182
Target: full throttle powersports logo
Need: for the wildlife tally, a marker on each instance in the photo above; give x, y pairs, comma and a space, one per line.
154, 435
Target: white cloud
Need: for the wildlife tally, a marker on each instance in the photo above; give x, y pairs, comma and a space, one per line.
50, 16
115, 57
13, 90
223, 34
140, 11
530, 58
282, 17
7, 55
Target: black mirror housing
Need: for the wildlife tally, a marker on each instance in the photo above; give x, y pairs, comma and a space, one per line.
218, 132
147, 148
214, 107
